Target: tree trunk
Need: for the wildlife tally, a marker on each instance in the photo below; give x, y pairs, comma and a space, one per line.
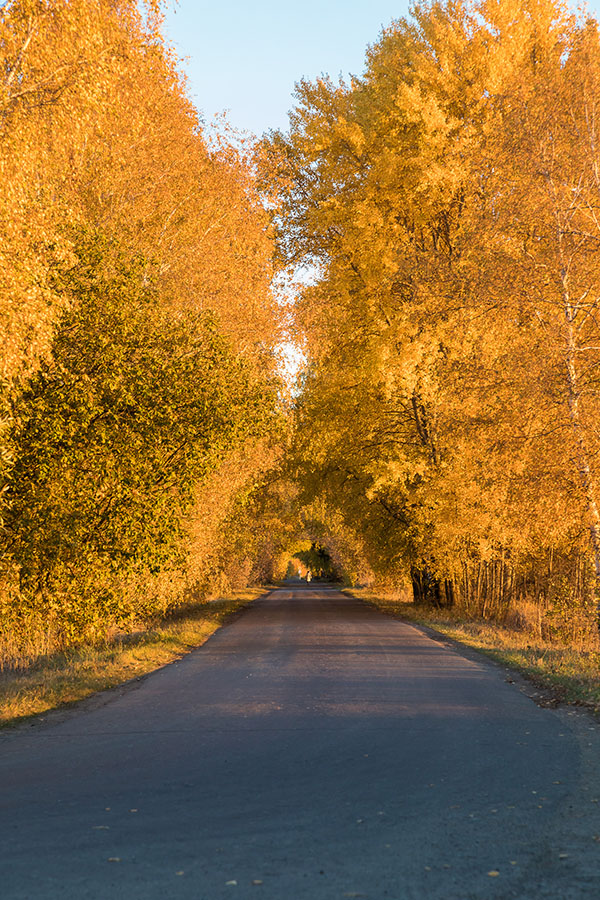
416, 577
449, 591
582, 450
426, 587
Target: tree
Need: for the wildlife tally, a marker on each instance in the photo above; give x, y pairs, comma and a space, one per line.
114, 432
98, 138
431, 378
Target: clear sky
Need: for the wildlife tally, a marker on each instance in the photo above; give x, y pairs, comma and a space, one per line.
245, 56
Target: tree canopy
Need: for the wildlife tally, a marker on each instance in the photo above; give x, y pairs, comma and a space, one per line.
139, 329
446, 201
443, 433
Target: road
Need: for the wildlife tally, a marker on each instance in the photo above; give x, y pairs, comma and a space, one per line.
313, 748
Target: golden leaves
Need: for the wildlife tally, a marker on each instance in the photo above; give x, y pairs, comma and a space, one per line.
440, 194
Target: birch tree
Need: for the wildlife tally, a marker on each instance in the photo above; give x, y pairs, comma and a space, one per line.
418, 189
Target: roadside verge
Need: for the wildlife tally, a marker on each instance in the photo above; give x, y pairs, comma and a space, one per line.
560, 674
64, 678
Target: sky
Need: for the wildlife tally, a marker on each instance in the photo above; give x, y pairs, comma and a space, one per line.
245, 56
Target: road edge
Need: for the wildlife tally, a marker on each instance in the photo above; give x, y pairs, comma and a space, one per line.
119, 680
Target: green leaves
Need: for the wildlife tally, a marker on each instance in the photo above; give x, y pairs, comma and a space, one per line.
134, 408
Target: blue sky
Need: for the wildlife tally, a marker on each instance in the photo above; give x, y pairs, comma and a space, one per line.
245, 57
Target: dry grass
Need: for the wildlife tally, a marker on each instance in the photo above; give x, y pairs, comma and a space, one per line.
572, 672
62, 678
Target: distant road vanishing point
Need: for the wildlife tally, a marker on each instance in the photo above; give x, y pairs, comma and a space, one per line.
312, 749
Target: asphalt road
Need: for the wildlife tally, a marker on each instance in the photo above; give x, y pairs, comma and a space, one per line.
313, 748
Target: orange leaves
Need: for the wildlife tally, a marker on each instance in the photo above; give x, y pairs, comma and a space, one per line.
95, 127
448, 196
98, 138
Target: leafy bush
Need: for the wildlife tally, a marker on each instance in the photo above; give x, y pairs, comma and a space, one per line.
135, 406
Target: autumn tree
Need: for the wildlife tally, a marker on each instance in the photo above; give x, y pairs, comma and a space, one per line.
130, 413
138, 324
432, 395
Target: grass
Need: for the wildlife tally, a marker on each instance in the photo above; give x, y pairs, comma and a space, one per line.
569, 674
61, 679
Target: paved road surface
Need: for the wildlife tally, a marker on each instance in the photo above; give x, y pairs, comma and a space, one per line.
314, 748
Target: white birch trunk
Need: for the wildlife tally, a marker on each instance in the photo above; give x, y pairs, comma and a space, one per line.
582, 450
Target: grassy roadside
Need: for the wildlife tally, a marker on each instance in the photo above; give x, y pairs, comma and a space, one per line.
569, 674
64, 678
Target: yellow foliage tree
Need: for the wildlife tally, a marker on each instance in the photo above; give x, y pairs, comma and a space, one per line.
446, 201
99, 139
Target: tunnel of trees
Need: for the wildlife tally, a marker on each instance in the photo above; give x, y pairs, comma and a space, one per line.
318, 562
441, 438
